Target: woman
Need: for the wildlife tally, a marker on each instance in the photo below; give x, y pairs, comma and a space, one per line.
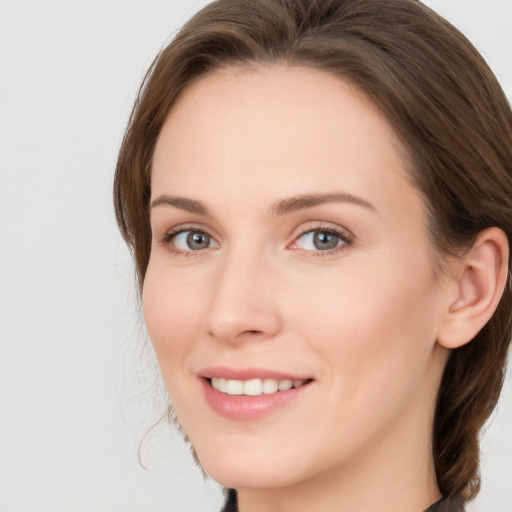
318, 199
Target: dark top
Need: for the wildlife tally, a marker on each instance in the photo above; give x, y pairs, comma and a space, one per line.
443, 505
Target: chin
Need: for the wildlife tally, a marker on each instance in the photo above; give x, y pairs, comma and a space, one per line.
247, 477
245, 469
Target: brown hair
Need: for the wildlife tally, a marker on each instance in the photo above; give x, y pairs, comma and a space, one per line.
443, 102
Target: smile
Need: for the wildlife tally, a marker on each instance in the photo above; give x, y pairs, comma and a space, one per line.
251, 393
254, 387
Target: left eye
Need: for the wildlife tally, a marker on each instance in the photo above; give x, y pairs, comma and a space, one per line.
192, 241
320, 240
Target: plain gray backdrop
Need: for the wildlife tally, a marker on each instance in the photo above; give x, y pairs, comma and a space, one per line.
77, 386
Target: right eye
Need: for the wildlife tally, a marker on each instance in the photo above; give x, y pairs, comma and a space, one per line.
189, 240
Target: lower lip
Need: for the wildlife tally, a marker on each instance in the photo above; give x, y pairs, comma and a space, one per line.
243, 407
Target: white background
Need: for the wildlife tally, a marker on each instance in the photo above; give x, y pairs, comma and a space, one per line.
76, 385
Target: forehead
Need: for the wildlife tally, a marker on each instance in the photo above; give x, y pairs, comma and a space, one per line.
276, 129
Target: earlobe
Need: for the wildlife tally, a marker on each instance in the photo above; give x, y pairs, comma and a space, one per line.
481, 279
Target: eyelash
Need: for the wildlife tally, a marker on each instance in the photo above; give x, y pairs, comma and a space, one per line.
174, 232
345, 240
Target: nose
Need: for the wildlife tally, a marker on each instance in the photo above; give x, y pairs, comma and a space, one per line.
242, 305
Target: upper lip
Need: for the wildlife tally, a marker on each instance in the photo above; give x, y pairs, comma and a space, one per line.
248, 374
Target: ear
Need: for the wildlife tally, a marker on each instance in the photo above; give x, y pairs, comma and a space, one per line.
480, 279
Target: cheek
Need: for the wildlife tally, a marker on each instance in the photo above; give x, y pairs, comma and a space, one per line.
370, 320
172, 314
376, 338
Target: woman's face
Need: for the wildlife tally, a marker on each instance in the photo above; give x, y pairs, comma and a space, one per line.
290, 249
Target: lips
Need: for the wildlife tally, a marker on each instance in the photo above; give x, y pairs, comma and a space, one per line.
250, 394
248, 373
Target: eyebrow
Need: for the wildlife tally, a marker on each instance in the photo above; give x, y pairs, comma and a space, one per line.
302, 202
282, 207
182, 203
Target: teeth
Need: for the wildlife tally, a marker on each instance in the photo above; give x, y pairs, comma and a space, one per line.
219, 384
284, 385
270, 386
234, 387
253, 387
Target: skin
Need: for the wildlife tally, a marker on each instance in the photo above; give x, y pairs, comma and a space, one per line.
362, 320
